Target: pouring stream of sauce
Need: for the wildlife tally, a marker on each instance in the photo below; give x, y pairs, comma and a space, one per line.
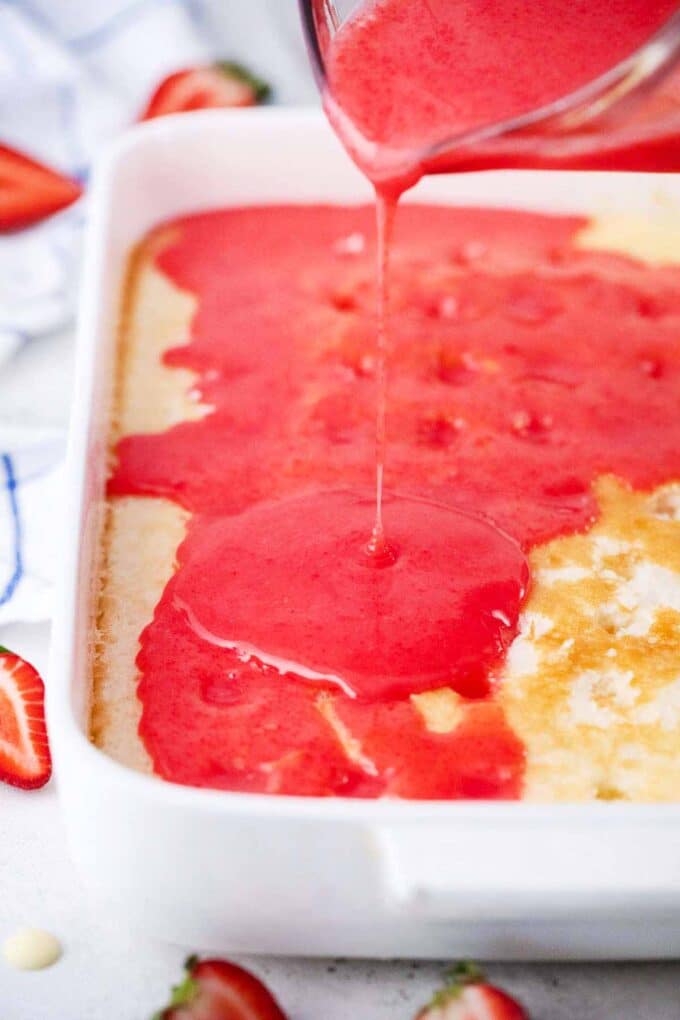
404, 75
522, 370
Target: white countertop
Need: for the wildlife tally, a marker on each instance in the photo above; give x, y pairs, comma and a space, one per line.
111, 974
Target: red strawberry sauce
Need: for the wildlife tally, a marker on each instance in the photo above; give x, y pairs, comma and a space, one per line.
405, 76
521, 369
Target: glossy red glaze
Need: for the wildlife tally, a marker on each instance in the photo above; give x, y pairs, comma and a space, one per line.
521, 369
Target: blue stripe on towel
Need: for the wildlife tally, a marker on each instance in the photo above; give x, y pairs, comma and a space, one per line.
11, 486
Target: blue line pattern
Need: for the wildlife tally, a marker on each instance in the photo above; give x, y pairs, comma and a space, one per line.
11, 486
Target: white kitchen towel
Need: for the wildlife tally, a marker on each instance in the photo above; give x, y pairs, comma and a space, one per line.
31, 488
73, 74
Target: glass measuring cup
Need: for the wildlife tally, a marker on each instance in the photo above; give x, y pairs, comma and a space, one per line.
626, 119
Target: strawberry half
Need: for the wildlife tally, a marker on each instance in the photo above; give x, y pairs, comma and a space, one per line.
204, 88
219, 990
30, 191
467, 996
24, 752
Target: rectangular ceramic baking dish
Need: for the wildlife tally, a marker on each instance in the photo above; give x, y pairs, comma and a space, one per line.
253, 873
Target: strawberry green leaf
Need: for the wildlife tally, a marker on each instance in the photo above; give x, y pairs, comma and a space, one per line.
185, 992
261, 89
459, 977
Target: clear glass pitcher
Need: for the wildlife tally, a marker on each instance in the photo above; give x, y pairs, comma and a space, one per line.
626, 119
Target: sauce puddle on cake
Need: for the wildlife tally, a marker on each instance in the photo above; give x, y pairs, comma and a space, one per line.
280, 657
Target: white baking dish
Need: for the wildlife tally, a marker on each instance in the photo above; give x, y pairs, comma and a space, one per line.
253, 873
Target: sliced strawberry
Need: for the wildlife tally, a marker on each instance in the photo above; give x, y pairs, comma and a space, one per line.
219, 990
204, 88
467, 996
30, 191
24, 752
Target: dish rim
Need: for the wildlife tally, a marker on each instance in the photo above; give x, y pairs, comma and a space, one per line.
67, 735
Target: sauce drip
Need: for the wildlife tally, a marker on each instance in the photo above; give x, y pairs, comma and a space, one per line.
378, 546
522, 369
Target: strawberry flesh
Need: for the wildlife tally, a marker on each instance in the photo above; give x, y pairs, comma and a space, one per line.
203, 88
24, 751
468, 997
220, 990
30, 191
